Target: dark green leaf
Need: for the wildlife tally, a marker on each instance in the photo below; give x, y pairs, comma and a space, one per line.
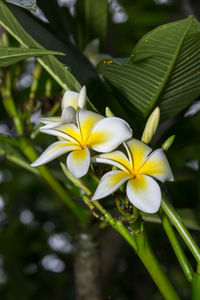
60, 20
79, 65
9, 56
164, 68
56, 69
92, 20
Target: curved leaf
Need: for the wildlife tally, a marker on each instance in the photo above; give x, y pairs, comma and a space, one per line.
55, 68
164, 68
11, 55
80, 66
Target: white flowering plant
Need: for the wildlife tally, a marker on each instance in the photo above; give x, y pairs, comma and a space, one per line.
102, 145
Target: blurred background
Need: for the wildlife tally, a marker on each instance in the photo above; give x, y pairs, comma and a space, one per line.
40, 241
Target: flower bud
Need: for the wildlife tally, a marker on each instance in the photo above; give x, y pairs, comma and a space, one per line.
168, 143
108, 112
151, 126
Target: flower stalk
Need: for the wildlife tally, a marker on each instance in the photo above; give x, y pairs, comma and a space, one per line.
138, 242
9, 104
178, 224
183, 261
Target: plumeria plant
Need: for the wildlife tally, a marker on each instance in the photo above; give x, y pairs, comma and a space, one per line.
95, 128
142, 168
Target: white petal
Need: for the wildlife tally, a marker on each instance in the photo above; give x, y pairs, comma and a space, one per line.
115, 158
86, 120
108, 134
68, 115
78, 162
109, 183
49, 126
82, 97
144, 193
157, 166
138, 152
48, 120
53, 151
70, 98
69, 132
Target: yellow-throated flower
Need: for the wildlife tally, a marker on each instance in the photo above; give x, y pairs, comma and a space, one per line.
92, 131
142, 190
71, 102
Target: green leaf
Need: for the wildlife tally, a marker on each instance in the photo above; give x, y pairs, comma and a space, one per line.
91, 19
61, 22
55, 68
9, 56
164, 70
80, 66
28, 4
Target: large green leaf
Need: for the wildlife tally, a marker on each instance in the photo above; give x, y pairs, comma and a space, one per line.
28, 4
80, 67
11, 55
56, 69
164, 69
91, 20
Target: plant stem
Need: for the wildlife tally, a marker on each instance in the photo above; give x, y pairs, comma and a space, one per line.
19, 161
140, 245
36, 75
183, 261
152, 265
196, 287
80, 213
178, 224
9, 104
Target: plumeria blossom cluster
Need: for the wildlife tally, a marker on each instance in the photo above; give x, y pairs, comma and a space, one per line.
80, 130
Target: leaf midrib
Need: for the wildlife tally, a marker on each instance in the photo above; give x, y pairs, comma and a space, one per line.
162, 85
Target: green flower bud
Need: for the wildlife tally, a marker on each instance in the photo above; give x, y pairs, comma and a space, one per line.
168, 143
151, 126
108, 112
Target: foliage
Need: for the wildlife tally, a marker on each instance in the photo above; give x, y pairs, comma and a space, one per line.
161, 70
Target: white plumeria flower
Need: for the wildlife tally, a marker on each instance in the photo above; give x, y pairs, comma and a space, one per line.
71, 102
143, 164
92, 131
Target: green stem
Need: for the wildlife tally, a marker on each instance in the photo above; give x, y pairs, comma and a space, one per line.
31, 154
18, 161
178, 224
152, 265
9, 104
183, 261
140, 244
36, 75
196, 287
